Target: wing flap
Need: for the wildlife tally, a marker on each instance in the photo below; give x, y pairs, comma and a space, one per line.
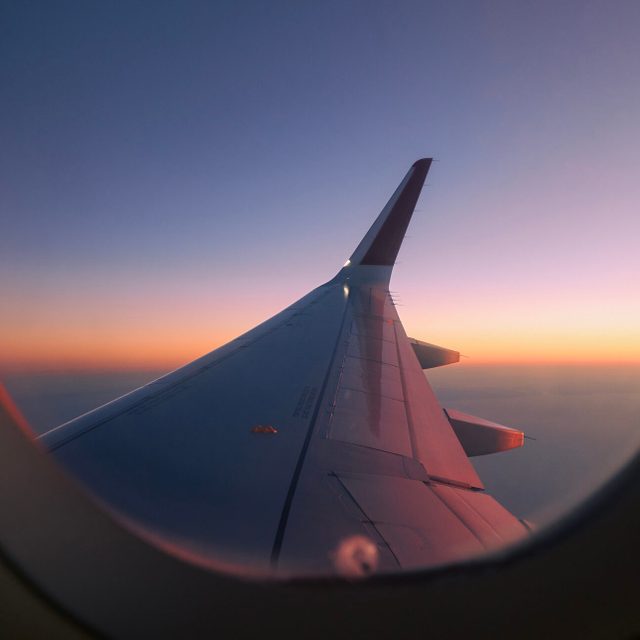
429, 523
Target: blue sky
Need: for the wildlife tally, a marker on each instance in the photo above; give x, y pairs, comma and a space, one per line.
196, 166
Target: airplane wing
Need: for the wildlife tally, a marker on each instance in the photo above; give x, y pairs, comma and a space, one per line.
313, 444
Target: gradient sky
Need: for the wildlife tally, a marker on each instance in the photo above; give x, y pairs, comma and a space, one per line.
174, 173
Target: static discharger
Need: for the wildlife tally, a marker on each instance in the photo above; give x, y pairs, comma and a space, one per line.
264, 428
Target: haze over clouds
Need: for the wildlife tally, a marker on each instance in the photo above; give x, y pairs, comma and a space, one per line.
583, 421
174, 174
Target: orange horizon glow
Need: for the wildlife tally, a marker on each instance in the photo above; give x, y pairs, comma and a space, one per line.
158, 338
164, 326
151, 351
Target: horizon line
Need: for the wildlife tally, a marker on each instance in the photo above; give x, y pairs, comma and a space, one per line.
163, 368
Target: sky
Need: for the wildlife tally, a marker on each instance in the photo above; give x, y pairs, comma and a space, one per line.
172, 174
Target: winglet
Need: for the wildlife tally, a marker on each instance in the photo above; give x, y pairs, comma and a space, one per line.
382, 242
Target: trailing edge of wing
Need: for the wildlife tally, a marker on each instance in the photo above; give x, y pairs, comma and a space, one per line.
382, 242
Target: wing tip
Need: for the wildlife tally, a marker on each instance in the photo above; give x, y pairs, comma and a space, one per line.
422, 163
381, 244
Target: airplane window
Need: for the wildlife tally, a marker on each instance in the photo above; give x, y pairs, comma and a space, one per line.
328, 293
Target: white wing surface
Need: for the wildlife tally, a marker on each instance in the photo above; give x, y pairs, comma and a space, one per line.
313, 444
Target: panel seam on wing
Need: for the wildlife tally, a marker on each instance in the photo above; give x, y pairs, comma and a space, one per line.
368, 519
460, 518
284, 516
